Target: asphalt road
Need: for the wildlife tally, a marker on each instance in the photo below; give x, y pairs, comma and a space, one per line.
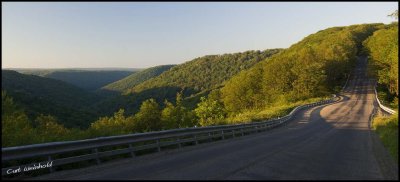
322, 143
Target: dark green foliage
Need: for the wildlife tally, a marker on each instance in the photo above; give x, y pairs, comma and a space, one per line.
46, 126
18, 129
136, 78
114, 125
38, 95
132, 102
192, 101
88, 79
15, 127
386, 98
148, 117
177, 116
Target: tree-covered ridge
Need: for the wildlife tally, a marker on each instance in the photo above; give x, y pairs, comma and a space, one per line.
383, 47
39, 95
206, 72
200, 75
86, 79
310, 68
136, 78
18, 129
89, 80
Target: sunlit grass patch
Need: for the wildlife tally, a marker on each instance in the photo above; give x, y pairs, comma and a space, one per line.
269, 112
388, 130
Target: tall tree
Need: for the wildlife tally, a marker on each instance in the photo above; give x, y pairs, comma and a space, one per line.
149, 116
210, 112
15, 127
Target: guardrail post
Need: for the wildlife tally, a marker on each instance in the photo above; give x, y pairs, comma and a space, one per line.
97, 155
195, 139
158, 145
222, 134
179, 142
51, 169
131, 149
233, 133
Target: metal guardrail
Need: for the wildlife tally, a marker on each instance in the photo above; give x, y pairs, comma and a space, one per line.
386, 109
159, 139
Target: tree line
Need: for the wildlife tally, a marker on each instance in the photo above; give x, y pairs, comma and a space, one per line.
382, 48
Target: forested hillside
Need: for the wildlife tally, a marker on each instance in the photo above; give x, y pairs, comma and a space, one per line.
136, 78
382, 48
87, 79
205, 72
313, 67
38, 95
197, 76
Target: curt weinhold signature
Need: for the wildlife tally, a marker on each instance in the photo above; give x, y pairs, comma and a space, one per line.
30, 168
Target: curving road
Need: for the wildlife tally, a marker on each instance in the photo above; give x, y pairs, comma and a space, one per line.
325, 142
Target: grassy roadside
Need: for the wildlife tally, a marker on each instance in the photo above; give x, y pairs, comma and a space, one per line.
274, 111
387, 129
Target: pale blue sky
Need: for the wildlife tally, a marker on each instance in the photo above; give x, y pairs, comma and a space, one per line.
139, 35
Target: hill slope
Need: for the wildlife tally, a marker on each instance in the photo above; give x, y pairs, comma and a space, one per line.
198, 76
136, 78
205, 72
313, 67
87, 79
38, 95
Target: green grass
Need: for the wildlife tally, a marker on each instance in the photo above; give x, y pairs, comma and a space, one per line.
387, 129
273, 111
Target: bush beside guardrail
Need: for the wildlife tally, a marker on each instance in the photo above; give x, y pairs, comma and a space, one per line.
384, 108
